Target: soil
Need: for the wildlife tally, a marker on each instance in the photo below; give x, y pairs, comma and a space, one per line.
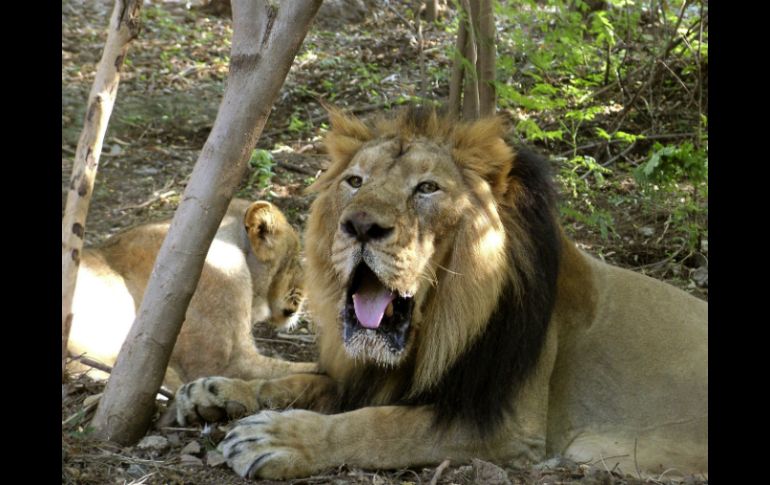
167, 101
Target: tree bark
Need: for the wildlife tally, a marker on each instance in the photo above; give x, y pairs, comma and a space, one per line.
266, 37
123, 28
456, 81
431, 10
486, 61
471, 90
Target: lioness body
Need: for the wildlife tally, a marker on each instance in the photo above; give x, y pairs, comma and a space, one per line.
247, 278
457, 321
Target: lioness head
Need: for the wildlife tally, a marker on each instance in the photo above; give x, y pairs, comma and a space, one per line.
408, 211
276, 246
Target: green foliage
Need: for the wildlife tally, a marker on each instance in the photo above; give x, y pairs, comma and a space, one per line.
668, 164
261, 164
575, 77
600, 220
296, 124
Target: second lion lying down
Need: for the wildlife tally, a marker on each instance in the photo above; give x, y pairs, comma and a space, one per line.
457, 321
252, 274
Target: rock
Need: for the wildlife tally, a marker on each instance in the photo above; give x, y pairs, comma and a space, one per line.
555, 463
174, 439
461, 474
342, 12
485, 473
701, 276
646, 231
153, 443
192, 448
136, 471
215, 458
189, 460
596, 476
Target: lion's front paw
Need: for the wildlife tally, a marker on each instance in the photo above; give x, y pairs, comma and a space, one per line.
277, 445
211, 399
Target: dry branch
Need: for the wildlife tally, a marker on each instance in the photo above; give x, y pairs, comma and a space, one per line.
266, 37
439, 470
123, 28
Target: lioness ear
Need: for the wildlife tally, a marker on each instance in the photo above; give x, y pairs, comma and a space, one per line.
260, 222
479, 146
344, 139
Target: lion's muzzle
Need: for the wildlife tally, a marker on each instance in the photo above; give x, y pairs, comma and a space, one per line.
376, 319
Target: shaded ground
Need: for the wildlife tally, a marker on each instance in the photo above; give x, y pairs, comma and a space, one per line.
167, 101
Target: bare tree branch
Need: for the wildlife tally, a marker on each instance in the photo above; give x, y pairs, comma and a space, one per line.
123, 28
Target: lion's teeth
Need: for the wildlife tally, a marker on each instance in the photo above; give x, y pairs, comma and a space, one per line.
389, 310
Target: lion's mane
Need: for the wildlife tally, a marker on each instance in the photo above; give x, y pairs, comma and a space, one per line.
467, 371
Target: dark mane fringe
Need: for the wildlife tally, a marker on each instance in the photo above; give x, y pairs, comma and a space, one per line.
481, 386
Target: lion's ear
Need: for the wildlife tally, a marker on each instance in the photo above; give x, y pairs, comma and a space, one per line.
260, 223
347, 135
344, 139
479, 146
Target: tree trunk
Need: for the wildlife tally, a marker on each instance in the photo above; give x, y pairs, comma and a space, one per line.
472, 84
266, 37
456, 81
123, 28
486, 60
431, 10
471, 92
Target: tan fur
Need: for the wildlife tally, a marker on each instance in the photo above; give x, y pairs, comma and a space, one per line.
252, 274
622, 375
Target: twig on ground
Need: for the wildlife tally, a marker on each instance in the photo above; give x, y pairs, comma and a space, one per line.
159, 194
106, 368
297, 168
662, 261
82, 413
293, 336
611, 160
439, 470
277, 341
636, 463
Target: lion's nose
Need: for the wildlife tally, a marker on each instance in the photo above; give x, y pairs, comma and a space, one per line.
361, 226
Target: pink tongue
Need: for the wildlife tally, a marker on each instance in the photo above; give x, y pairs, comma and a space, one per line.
370, 303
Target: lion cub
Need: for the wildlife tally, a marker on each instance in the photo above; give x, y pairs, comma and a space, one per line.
252, 274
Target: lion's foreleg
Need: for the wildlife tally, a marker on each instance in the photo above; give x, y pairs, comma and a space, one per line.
299, 443
248, 363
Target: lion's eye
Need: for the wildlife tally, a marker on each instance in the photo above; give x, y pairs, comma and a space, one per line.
354, 181
427, 187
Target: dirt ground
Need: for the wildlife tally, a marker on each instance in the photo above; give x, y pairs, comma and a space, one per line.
167, 101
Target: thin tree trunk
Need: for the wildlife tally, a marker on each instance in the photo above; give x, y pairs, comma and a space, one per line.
123, 28
456, 81
486, 61
431, 10
471, 91
266, 37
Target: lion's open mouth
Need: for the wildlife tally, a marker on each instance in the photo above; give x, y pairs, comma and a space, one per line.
375, 313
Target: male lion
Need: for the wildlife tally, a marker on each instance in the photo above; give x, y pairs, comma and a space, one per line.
252, 274
456, 321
